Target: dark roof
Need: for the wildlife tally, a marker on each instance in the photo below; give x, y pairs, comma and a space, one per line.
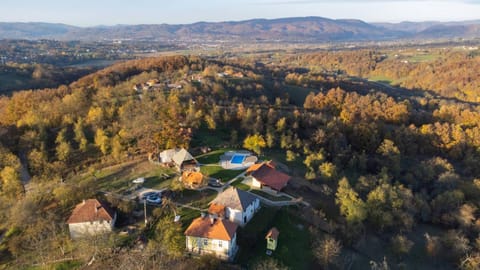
269, 176
91, 210
234, 198
207, 227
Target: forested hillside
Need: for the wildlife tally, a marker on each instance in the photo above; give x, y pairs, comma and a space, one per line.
383, 168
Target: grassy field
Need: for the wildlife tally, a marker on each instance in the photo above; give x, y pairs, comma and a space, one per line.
381, 78
196, 198
270, 197
427, 57
119, 178
293, 248
187, 215
212, 157
213, 169
216, 171
238, 184
298, 94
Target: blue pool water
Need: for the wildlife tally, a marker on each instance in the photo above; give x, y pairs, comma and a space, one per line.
237, 159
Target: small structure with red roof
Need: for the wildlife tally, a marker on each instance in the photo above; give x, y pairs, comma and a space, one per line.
266, 176
209, 235
91, 217
272, 239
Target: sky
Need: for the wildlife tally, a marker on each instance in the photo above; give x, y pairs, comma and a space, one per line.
112, 12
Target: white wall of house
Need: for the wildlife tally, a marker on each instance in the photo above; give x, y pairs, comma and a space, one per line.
221, 248
234, 215
242, 218
256, 183
251, 210
78, 230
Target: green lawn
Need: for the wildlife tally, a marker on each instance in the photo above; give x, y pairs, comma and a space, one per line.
381, 78
216, 171
187, 215
196, 198
211, 157
424, 57
269, 196
296, 167
238, 184
157, 182
293, 248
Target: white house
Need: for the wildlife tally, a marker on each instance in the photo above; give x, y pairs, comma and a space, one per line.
236, 205
208, 235
91, 217
265, 176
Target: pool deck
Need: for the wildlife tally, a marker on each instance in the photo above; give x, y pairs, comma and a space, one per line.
229, 160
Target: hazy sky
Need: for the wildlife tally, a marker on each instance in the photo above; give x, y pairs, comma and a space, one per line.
111, 12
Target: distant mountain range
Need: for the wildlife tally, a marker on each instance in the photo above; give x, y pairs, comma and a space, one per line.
304, 29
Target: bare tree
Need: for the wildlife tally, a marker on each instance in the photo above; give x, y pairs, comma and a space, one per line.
327, 251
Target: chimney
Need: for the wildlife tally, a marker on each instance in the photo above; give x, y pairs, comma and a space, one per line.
212, 219
83, 201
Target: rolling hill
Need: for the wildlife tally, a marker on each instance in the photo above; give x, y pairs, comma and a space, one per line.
301, 29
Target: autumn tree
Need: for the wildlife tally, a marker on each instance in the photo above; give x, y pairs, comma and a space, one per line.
102, 141
255, 143
351, 205
11, 185
63, 149
80, 138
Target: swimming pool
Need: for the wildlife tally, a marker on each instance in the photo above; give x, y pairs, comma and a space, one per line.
237, 159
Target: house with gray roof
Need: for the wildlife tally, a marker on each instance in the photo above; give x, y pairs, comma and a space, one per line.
180, 158
236, 205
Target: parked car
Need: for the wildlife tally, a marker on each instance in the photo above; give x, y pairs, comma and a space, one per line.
147, 194
139, 180
214, 183
154, 199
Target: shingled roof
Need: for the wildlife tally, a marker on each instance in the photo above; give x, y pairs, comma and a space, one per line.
206, 227
234, 198
269, 176
91, 210
181, 156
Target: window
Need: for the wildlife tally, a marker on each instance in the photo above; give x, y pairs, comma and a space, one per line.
205, 242
220, 243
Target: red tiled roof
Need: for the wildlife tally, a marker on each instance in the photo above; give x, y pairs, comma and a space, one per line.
273, 233
91, 210
267, 175
257, 166
216, 209
220, 229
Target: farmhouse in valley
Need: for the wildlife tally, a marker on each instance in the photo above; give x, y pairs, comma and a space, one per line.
91, 217
265, 176
180, 158
236, 205
209, 235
